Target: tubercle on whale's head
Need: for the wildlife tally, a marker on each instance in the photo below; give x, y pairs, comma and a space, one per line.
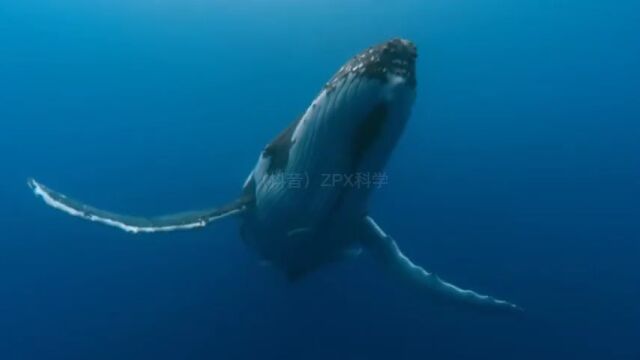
388, 61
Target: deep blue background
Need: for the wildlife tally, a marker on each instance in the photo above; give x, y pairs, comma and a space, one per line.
519, 175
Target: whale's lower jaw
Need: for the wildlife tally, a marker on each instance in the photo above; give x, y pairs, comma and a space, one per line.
342, 141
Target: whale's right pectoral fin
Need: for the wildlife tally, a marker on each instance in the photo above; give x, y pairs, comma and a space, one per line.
385, 250
135, 224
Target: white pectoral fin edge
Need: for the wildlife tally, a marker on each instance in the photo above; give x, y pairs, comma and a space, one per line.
385, 250
134, 224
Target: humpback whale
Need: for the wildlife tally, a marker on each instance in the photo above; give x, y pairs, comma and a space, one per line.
300, 208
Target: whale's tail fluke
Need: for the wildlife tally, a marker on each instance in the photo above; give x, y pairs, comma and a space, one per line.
385, 250
135, 224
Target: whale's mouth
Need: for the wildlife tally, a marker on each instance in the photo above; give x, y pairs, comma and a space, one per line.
395, 57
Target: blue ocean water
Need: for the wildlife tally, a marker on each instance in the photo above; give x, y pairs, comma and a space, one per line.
518, 175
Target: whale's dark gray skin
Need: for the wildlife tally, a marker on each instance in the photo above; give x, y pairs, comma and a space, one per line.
300, 207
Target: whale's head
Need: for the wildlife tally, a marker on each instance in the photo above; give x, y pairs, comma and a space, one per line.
361, 112
350, 129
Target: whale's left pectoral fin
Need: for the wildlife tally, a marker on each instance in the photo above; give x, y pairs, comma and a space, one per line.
136, 224
385, 250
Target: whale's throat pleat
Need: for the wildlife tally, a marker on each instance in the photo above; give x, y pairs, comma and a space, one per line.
369, 131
